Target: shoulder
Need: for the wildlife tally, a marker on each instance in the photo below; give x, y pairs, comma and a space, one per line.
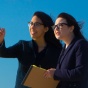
81, 44
24, 41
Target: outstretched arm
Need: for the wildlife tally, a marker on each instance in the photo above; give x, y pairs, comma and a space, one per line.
2, 34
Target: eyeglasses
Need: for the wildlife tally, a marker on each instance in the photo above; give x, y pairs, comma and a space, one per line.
36, 24
59, 25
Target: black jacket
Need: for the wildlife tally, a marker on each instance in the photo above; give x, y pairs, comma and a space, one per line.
72, 68
24, 51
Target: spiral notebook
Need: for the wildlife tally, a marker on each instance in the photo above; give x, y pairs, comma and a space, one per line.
34, 79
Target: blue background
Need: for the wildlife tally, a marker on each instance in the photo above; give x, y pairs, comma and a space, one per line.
14, 17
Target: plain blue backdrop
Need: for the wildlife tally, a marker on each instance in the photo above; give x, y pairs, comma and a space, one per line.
14, 17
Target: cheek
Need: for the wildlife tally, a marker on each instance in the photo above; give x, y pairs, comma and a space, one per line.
29, 30
65, 33
57, 34
42, 31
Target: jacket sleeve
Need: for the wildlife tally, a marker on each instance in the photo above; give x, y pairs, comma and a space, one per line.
12, 51
80, 72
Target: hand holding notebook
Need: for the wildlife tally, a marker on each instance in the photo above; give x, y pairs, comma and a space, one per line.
35, 79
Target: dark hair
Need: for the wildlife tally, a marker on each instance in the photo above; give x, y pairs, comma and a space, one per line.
71, 21
48, 22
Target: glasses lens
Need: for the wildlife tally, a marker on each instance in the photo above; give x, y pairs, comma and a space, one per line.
30, 23
58, 25
36, 24
55, 26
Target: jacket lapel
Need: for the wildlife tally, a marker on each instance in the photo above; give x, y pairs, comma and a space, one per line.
65, 51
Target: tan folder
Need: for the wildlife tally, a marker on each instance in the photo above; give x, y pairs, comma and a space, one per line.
35, 79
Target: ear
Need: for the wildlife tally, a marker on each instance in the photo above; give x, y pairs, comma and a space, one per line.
46, 29
72, 28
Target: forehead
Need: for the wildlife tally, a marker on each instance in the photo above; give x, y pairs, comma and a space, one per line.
60, 20
35, 19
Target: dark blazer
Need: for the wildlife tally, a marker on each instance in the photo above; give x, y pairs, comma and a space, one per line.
24, 51
72, 68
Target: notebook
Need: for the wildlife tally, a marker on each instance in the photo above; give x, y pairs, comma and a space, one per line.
35, 79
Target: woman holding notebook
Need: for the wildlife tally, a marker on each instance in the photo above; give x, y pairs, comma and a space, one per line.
72, 67
43, 50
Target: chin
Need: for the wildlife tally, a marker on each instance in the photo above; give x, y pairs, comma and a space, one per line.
58, 37
34, 38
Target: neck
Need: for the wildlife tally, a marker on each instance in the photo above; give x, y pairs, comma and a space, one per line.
41, 44
68, 40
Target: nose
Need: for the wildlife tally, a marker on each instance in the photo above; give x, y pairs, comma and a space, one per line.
56, 28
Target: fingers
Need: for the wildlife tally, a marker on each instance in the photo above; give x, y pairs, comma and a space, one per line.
2, 34
47, 74
2, 31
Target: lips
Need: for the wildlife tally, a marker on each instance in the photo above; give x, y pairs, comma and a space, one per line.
57, 33
33, 32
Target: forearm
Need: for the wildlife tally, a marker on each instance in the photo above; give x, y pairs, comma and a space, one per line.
10, 52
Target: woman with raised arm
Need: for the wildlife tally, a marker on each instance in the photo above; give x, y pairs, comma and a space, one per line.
43, 50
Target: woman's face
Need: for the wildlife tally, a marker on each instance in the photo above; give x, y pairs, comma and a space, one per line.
61, 29
36, 28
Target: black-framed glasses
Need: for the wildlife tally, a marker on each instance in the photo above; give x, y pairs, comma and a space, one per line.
36, 24
58, 25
